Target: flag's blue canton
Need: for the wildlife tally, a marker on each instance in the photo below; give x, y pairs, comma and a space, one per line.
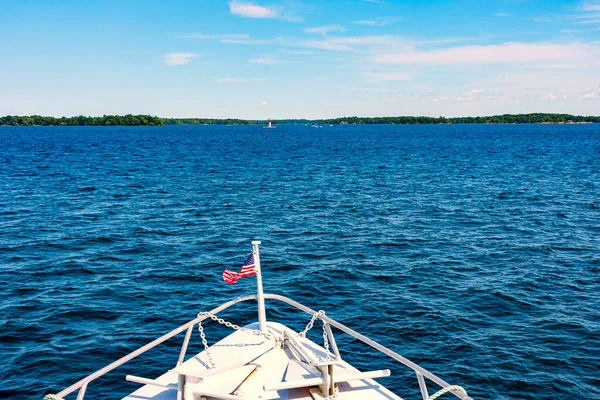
250, 260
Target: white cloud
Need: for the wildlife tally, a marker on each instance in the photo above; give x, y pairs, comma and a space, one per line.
568, 31
366, 22
176, 59
263, 60
239, 80
250, 10
588, 21
245, 39
400, 98
387, 76
264, 103
297, 52
438, 99
591, 7
472, 95
354, 43
505, 53
555, 95
324, 30
474, 92
502, 14
376, 21
235, 38
590, 93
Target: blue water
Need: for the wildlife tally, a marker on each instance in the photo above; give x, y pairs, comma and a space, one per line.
472, 250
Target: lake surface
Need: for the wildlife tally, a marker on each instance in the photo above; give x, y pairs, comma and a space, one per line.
472, 250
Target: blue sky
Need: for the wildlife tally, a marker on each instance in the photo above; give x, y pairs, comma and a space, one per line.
299, 58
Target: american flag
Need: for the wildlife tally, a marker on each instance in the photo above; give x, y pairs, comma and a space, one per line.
232, 277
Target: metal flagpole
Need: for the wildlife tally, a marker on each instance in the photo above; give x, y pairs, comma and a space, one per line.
262, 319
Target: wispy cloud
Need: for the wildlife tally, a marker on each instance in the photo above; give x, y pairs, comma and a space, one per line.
250, 10
387, 76
233, 38
177, 59
324, 30
470, 95
589, 13
401, 98
264, 103
239, 80
591, 7
588, 21
559, 94
440, 99
502, 14
377, 21
264, 61
298, 52
354, 43
474, 92
505, 53
591, 93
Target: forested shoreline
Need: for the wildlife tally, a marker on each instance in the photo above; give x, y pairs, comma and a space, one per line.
148, 120
535, 118
105, 120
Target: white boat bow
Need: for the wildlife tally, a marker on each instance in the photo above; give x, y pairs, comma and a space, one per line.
265, 360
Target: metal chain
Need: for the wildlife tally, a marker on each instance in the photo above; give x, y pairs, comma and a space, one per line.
227, 324
311, 323
309, 326
205, 343
234, 326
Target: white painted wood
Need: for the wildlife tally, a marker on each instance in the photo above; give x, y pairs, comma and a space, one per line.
359, 376
270, 366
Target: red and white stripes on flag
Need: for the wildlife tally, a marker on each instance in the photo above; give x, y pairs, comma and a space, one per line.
248, 269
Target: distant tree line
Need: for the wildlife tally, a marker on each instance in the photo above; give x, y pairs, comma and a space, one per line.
211, 121
536, 118
129, 120
233, 121
106, 120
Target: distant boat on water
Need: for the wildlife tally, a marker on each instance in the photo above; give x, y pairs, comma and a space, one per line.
270, 126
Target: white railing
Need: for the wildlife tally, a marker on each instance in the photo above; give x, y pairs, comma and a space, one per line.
188, 327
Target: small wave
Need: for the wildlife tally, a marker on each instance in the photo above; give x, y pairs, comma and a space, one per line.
146, 231
86, 314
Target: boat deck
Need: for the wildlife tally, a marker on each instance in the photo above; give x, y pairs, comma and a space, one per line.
246, 363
